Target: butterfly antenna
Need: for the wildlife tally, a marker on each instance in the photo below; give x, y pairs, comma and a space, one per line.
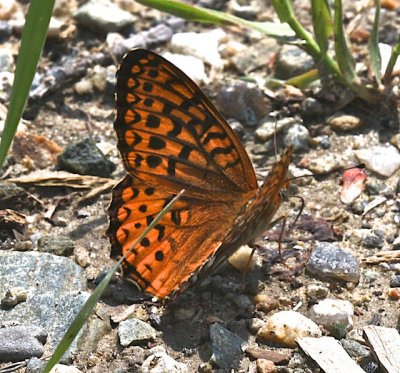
275, 141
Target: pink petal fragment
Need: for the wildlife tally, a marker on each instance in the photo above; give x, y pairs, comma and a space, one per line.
353, 184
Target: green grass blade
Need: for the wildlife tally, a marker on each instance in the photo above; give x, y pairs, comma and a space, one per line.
322, 23
373, 46
198, 14
302, 81
343, 55
32, 41
87, 308
392, 62
283, 9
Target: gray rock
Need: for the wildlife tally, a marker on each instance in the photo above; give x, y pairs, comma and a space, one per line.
56, 244
316, 291
270, 126
298, 136
243, 102
373, 241
244, 302
226, 347
85, 158
292, 61
156, 35
311, 107
354, 348
374, 188
103, 15
395, 281
35, 365
255, 55
6, 59
21, 342
12, 196
135, 331
247, 11
329, 262
55, 292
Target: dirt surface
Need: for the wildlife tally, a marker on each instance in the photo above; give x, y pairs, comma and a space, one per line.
65, 117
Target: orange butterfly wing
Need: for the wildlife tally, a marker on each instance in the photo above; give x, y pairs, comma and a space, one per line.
170, 134
171, 137
179, 244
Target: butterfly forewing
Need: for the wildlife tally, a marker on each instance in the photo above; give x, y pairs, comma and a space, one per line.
170, 134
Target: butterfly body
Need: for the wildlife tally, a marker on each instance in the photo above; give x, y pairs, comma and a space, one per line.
171, 137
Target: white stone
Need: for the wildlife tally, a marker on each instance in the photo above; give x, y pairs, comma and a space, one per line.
103, 15
329, 312
286, 326
384, 160
191, 66
160, 362
59, 368
201, 45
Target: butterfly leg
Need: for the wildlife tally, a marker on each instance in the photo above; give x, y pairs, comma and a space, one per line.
246, 269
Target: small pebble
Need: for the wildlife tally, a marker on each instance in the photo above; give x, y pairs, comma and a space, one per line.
285, 327
85, 158
56, 244
242, 259
297, 136
104, 16
135, 331
247, 58
334, 315
395, 281
266, 303
258, 352
374, 188
355, 349
384, 160
292, 61
13, 296
243, 302
204, 46
265, 366
159, 361
243, 102
226, 347
373, 241
8, 8
329, 262
394, 293
270, 126
316, 291
311, 107
343, 122
190, 65
254, 325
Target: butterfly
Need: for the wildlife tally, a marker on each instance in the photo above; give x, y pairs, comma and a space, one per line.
171, 137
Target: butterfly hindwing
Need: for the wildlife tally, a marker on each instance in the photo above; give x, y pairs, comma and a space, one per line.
179, 244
